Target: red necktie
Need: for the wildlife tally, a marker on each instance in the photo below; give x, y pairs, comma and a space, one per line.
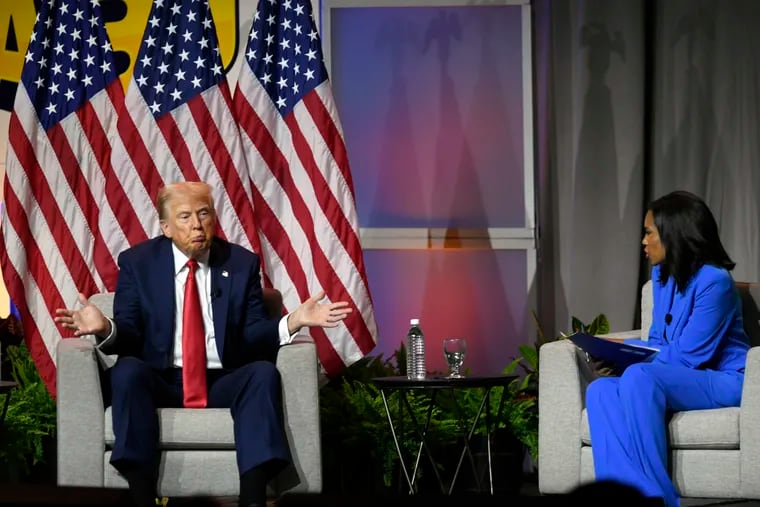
193, 344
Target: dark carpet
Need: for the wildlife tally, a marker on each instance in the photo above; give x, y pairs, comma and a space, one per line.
39, 495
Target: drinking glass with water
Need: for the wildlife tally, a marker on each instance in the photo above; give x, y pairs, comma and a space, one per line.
454, 350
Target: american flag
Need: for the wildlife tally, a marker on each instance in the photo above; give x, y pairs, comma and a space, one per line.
302, 188
179, 123
61, 199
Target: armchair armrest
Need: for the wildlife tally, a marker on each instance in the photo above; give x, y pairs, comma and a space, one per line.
749, 430
562, 380
298, 367
624, 335
80, 414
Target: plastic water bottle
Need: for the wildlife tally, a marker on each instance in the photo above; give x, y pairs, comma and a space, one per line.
415, 351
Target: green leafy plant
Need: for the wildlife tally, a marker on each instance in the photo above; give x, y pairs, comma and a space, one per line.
525, 425
512, 408
355, 424
30, 421
522, 411
600, 325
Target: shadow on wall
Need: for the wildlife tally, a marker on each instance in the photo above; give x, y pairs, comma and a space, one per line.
457, 171
606, 221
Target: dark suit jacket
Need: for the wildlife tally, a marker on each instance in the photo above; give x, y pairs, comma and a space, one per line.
145, 299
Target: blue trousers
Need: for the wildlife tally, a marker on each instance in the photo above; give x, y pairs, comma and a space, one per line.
628, 417
252, 392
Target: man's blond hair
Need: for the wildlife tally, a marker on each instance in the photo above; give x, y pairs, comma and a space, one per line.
198, 188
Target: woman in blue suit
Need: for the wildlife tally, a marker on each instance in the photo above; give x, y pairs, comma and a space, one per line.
696, 324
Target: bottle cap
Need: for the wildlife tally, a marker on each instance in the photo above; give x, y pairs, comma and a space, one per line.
414, 322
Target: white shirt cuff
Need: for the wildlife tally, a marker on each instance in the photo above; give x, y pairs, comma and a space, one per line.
282, 329
100, 340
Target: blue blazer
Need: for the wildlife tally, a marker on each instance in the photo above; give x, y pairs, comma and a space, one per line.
144, 305
702, 326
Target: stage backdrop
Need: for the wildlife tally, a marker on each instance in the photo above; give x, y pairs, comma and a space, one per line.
435, 100
125, 22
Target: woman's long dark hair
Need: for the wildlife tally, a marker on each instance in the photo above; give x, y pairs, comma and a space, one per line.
689, 233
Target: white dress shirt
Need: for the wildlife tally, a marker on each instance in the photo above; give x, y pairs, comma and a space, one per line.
203, 280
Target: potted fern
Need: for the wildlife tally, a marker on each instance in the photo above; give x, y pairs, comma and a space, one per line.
528, 362
28, 434
358, 447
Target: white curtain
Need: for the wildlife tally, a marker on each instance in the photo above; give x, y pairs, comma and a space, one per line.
707, 115
635, 99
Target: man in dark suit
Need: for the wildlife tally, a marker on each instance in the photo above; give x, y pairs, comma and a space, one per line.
159, 329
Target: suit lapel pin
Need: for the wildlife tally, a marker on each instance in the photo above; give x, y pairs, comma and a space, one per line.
225, 274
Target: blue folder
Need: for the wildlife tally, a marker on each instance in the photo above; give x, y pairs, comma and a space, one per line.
619, 355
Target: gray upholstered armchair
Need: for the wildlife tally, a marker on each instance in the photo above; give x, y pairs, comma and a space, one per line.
198, 456
714, 453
